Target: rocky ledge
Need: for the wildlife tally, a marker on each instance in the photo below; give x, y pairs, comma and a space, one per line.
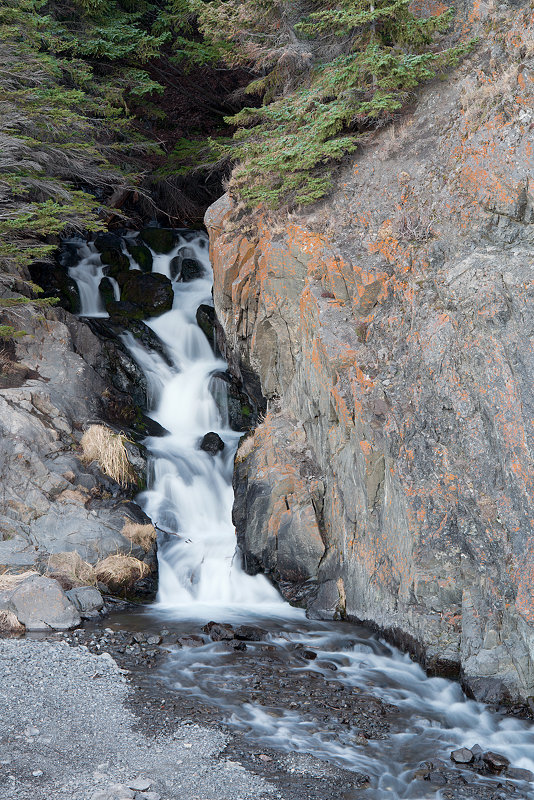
391, 480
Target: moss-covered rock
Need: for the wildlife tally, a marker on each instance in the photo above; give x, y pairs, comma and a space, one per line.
160, 240
115, 260
150, 293
106, 292
191, 270
206, 321
107, 241
140, 254
55, 282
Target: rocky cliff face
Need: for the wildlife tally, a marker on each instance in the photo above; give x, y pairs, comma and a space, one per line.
391, 479
54, 382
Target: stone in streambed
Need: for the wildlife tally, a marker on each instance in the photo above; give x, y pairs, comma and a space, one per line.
212, 443
495, 762
107, 241
191, 640
218, 631
115, 260
40, 604
249, 633
516, 774
140, 254
191, 269
87, 599
206, 321
160, 240
106, 291
462, 756
150, 293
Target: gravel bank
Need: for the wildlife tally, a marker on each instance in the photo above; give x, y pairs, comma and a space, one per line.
67, 734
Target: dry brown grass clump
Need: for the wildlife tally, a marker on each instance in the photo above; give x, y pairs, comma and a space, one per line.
10, 580
121, 572
9, 624
100, 444
70, 570
143, 535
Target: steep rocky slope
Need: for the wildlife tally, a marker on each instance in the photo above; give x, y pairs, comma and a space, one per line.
391, 330
54, 382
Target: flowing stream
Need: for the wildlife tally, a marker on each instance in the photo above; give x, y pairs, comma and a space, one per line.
190, 500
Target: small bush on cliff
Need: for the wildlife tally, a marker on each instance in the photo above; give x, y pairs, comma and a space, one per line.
327, 73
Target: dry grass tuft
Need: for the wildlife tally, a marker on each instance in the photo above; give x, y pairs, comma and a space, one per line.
100, 444
246, 447
121, 572
9, 624
10, 580
143, 535
70, 570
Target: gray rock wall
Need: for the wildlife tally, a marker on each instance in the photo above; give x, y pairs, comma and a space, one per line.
391, 329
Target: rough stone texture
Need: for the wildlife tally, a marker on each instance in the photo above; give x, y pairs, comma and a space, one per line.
393, 323
86, 599
40, 604
50, 501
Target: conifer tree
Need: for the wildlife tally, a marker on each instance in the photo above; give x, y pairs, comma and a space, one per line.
327, 72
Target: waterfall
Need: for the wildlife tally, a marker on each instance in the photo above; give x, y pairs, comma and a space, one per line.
189, 496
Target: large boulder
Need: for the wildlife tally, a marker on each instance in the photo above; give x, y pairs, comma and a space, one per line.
151, 293
55, 282
39, 603
87, 600
212, 443
160, 240
140, 254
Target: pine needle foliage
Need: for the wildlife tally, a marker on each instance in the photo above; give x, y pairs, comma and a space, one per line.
327, 73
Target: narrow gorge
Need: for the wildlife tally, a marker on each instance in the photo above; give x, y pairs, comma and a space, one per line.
273, 462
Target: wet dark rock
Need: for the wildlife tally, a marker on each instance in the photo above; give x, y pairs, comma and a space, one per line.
516, 774
218, 631
192, 640
212, 443
436, 778
115, 261
122, 311
106, 291
206, 321
495, 761
462, 756
309, 655
160, 240
55, 282
191, 269
140, 254
249, 633
235, 644
107, 241
175, 267
151, 294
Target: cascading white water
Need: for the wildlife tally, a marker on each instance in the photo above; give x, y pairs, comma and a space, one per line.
190, 493
88, 274
190, 497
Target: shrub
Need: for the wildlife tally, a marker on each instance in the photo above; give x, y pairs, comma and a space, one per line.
100, 444
328, 73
